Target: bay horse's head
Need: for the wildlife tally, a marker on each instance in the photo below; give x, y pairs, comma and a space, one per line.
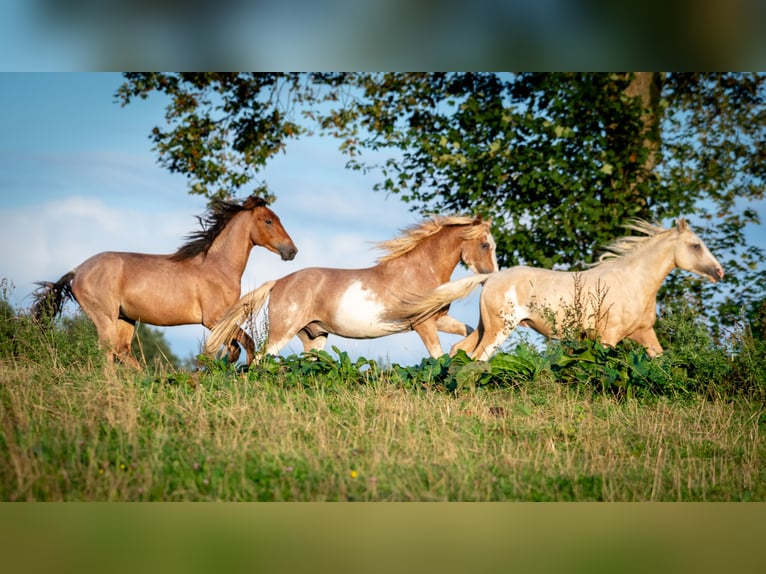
478, 250
691, 254
266, 229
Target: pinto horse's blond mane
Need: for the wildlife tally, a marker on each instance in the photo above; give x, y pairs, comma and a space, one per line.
630, 243
412, 236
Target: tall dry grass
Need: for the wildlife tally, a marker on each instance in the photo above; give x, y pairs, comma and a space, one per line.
80, 434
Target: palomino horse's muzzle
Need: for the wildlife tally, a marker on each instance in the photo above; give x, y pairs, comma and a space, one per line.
715, 273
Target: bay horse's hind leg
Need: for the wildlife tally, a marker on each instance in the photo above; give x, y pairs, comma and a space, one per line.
125, 330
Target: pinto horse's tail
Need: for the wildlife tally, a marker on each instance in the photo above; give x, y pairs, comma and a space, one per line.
420, 309
49, 298
228, 326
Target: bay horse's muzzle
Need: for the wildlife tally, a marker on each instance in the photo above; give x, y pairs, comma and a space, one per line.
288, 253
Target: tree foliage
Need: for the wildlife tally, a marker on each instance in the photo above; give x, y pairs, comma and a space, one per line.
558, 160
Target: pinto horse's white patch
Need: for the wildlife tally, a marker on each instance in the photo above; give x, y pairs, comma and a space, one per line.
357, 315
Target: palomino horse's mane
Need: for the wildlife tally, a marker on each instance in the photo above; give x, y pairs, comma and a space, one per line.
412, 236
213, 222
630, 243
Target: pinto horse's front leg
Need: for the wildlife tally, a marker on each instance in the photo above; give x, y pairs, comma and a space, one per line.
429, 336
448, 324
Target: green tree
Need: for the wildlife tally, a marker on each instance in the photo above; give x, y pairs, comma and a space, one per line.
559, 160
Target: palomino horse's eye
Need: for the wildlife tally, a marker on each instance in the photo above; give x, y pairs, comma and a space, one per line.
696, 246
485, 246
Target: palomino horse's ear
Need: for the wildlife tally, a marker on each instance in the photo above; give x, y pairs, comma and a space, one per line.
681, 224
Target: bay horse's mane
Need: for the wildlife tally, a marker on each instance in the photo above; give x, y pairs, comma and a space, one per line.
413, 235
630, 243
218, 216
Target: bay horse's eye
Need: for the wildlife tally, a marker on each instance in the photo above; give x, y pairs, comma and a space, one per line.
269, 222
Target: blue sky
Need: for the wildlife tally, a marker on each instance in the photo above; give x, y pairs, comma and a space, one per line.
78, 176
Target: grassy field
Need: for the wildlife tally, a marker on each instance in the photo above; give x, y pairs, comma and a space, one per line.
77, 434
576, 422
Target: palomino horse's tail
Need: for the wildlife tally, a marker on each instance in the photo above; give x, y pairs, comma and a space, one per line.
424, 307
228, 326
49, 298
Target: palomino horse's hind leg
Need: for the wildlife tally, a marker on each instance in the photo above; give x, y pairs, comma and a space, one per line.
494, 328
469, 343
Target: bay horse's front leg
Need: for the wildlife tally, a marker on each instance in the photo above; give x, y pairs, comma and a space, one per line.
247, 343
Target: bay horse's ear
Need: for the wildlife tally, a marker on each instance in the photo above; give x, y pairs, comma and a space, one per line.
681, 224
253, 201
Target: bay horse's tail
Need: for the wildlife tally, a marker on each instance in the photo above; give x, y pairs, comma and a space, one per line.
228, 326
424, 307
49, 298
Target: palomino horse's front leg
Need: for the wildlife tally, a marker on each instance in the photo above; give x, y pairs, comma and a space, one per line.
647, 338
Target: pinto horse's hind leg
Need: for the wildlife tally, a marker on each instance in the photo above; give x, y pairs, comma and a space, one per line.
313, 337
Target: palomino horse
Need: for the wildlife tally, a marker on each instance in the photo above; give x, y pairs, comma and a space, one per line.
613, 300
316, 301
196, 284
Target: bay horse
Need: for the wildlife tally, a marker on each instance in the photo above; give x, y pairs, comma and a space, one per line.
194, 285
315, 302
614, 299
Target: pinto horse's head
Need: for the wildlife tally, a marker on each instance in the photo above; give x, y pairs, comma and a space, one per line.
267, 231
692, 254
478, 251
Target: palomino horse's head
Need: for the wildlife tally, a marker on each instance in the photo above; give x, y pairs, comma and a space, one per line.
478, 250
691, 254
266, 229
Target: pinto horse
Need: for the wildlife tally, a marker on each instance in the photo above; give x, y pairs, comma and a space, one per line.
617, 295
194, 285
314, 302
